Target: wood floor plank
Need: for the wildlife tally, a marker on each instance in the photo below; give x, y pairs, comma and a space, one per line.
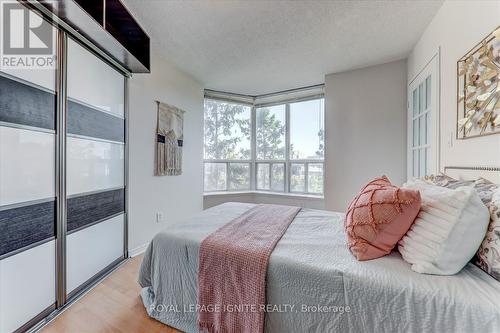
113, 306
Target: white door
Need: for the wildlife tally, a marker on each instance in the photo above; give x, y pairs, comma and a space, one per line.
423, 121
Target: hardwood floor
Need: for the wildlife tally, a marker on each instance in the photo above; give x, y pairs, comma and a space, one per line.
114, 305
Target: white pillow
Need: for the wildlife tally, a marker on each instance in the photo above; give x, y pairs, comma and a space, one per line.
448, 230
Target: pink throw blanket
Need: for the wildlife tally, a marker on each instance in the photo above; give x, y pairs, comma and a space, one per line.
233, 266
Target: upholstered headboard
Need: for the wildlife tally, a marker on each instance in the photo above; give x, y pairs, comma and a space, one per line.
473, 172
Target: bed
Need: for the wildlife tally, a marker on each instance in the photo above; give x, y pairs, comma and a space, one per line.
314, 284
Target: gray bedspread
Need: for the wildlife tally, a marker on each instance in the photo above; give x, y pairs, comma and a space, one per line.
314, 284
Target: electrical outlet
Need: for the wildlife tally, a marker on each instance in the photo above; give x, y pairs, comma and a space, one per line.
159, 217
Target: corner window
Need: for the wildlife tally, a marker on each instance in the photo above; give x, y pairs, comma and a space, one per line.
276, 148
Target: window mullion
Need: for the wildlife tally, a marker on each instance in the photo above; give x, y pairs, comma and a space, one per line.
227, 176
270, 176
287, 148
324, 178
253, 148
306, 177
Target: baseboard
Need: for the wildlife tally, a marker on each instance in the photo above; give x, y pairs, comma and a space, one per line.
138, 250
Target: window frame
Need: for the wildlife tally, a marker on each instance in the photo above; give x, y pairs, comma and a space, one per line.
287, 162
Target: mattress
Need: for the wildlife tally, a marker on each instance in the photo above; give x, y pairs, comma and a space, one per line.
314, 284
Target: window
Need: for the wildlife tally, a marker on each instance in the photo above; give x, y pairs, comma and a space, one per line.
239, 176
227, 131
282, 152
270, 132
271, 177
278, 177
215, 176
307, 144
271, 147
307, 131
315, 177
298, 177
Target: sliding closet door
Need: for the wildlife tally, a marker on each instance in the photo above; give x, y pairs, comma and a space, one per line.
27, 194
95, 167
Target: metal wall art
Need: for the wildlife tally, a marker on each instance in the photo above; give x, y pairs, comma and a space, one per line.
478, 89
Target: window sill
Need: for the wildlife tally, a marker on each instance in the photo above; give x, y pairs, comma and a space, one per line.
265, 193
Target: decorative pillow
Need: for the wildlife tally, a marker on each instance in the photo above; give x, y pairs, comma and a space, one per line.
446, 181
378, 217
485, 189
488, 255
448, 230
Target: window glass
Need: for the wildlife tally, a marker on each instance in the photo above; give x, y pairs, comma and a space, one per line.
215, 177
315, 178
422, 171
421, 125
270, 132
415, 132
428, 92
297, 177
239, 176
415, 163
415, 102
307, 133
263, 176
227, 130
427, 124
278, 177
421, 97
427, 161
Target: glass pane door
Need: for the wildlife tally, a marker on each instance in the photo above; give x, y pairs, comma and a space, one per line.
421, 127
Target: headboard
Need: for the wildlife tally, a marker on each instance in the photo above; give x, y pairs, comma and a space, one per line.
473, 172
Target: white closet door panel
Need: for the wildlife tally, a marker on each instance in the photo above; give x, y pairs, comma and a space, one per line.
92, 249
93, 82
27, 165
27, 285
94, 165
44, 78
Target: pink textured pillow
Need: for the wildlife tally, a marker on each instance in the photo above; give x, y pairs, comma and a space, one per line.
378, 217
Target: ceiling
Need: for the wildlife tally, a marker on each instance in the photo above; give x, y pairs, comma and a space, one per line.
258, 47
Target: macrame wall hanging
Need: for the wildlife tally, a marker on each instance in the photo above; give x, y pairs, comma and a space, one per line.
169, 140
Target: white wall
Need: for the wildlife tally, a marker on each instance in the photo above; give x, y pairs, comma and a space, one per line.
365, 130
175, 196
455, 29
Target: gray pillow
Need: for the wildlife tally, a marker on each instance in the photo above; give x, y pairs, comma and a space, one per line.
488, 255
446, 181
